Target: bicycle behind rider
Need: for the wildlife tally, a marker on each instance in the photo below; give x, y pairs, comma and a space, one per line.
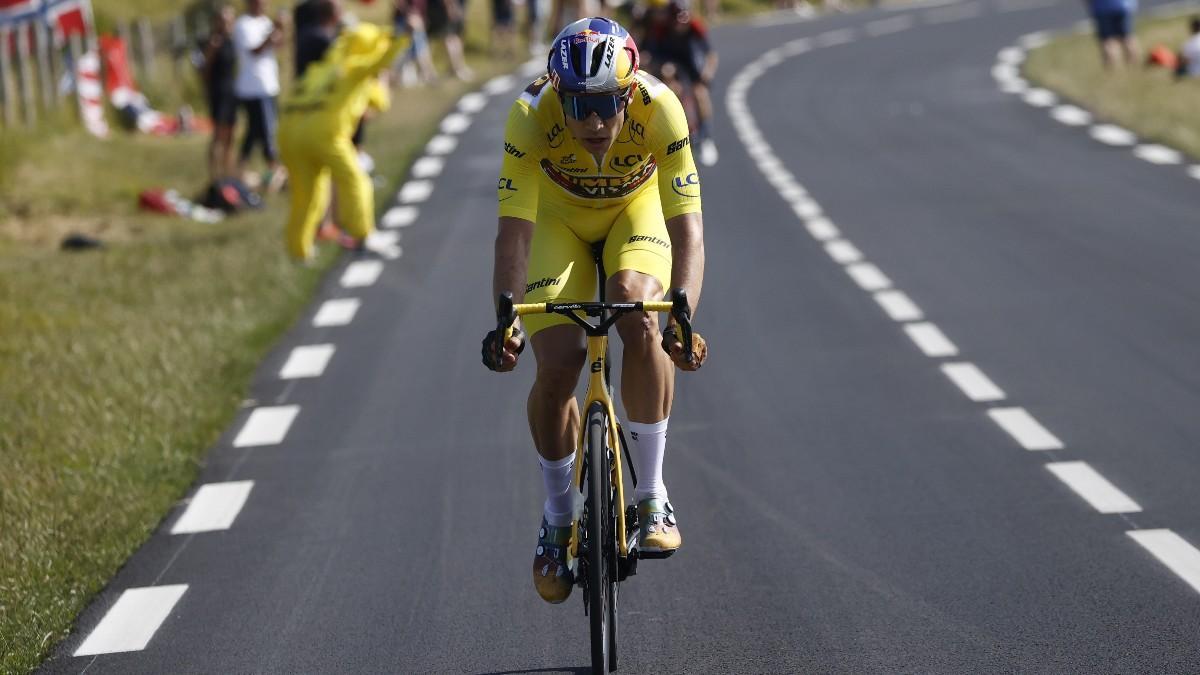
679, 51
596, 151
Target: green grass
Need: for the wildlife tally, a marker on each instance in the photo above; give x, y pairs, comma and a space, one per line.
1148, 101
120, 368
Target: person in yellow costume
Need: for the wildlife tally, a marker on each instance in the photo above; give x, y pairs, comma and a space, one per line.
319, 117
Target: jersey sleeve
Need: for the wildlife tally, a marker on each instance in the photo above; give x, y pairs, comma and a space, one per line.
517, 190
678, 180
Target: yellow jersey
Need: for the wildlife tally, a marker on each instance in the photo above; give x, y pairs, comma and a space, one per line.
544, 166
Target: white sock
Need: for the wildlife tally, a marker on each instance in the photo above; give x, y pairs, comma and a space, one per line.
557, 476
649, 444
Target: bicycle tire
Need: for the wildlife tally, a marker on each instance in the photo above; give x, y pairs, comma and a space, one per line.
599, 511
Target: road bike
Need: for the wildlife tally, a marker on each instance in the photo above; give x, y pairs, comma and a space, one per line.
604, 537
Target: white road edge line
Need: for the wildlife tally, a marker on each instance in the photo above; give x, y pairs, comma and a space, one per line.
337, 312
1094, 488
132, 621
214, 507
307, 361
843, 252
266, 426
399, 216
1026, 430
1173, 551
971, 380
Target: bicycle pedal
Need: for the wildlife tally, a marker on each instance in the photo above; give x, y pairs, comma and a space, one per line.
655, 555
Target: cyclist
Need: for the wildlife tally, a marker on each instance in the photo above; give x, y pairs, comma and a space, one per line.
596, 151
677, 43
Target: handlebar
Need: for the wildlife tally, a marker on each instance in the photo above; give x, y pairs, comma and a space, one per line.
507, 313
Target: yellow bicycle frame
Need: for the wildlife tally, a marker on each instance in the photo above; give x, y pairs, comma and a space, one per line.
597, 392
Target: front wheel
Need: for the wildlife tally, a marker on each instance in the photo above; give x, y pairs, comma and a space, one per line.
600, 581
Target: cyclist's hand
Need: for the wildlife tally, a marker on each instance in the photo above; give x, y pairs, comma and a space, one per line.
673, 346
512, 349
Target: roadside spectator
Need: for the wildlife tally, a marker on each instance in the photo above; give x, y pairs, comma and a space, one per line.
1191, 51
219, 71
503, 32
319, 117
1114, 31
446, 19
255, 37
316, 24
409, 19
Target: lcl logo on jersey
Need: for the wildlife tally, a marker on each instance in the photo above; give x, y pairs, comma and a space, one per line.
506, 184
620, 163
635, 133
687, 186
555, 136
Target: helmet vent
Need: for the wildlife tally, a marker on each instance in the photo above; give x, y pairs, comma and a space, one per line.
597, 58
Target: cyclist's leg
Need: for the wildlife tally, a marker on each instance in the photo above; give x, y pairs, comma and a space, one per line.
637, 258
560, 268
639, 251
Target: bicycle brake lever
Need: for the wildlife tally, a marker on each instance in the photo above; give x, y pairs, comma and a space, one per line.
682, 311
505, 316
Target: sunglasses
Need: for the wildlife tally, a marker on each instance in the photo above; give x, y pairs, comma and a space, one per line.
581, 107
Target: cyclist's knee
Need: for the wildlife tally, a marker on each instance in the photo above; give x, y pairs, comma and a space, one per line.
638, 331
560, 355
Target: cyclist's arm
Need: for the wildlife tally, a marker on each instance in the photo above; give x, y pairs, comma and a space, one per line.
513, 237
687, 255
517, 199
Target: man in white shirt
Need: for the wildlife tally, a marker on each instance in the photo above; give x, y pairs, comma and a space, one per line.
255, 37
1191, 50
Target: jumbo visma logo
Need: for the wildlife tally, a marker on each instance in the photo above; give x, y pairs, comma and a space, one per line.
687, 186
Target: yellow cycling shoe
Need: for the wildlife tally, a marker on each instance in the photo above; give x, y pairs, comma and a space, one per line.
659, 533
552, 576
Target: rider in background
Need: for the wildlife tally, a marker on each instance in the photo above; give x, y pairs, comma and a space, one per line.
677, 48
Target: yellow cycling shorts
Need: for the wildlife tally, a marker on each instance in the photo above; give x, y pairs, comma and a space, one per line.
561, 267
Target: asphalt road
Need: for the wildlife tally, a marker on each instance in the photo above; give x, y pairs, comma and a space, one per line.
845, 507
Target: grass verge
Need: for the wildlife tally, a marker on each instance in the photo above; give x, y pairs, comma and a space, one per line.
120, 368
1148, 101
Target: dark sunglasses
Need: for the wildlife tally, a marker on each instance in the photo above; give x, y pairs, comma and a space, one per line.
581, 107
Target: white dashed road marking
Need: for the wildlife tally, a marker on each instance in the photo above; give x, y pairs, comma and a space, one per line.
843, 252
399, 216
1094, 488
971, 380
822, 229
1112, 135
441, 145
336, 312
1025, 429
1158, 154
132, 621
307, 361
868, 276
499, 85
361, 273
1040, 98
930, 340
834, 37
415, 191
427, 167
473, 102
1173, 551
898, 305
266, 426
455, 123
1072, 116
214, 507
